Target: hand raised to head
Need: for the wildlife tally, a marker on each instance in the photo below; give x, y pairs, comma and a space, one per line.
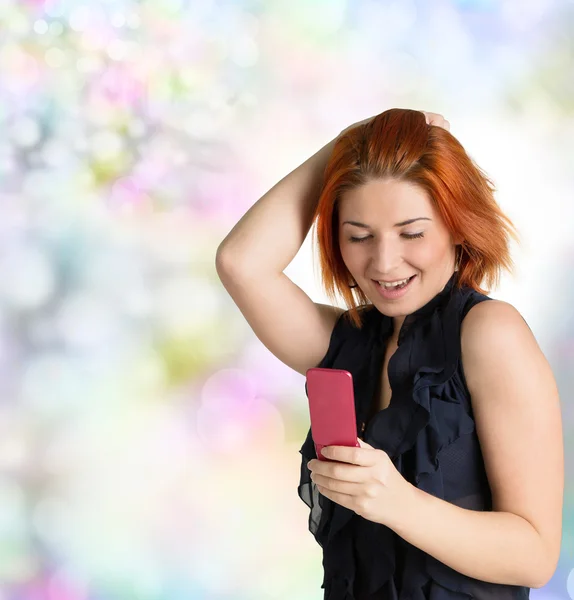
431, 118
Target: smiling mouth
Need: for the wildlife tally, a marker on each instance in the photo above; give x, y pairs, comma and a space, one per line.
404, 279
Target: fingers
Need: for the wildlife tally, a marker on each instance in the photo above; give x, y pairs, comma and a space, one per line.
431, 118
437, 120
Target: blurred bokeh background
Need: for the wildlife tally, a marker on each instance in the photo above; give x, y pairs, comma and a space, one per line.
148, 440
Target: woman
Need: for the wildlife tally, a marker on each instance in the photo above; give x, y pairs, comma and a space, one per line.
457, 487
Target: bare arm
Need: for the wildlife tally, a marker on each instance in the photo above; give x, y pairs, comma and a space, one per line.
251, 259
498, 547
270, 234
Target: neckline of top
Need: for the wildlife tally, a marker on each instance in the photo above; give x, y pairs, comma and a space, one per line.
386, 322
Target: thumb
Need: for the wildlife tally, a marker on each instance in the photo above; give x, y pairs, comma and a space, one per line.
364, 444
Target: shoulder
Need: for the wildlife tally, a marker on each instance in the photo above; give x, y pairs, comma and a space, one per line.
492, 318
491, 331
493, 321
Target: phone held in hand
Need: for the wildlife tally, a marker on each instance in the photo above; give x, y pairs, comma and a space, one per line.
331, 408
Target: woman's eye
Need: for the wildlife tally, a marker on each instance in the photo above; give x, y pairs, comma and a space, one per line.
409, 236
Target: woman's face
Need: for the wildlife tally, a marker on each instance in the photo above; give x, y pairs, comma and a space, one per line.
388, 251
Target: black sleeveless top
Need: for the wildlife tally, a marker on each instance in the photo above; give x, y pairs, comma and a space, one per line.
429, 433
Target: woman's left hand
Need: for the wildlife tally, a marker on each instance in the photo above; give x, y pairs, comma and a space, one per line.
364, 480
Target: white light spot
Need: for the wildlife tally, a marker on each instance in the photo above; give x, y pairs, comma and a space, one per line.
244, 52
55, 57
40, 26
89, 64
27, 280
185, 305
25, 132
133, 21
14, 450
79, 18
106, 145
85, 321
117, 49
118, 20
55, 153
56, 28
12, 515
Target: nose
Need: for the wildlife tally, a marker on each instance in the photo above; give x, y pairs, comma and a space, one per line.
387, 259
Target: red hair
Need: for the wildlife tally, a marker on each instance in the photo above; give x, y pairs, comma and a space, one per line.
399, 144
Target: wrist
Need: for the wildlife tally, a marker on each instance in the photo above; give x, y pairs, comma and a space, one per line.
407, 507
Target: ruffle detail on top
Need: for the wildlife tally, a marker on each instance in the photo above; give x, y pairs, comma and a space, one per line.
429, 433
412, 430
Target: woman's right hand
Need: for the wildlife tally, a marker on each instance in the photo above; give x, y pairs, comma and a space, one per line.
431, 118
437, 120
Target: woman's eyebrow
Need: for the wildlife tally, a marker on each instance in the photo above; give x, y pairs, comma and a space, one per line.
407, 222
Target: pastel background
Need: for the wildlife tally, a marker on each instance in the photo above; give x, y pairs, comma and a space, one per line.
148, 440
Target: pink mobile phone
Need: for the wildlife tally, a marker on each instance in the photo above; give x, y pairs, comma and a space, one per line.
332, 408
